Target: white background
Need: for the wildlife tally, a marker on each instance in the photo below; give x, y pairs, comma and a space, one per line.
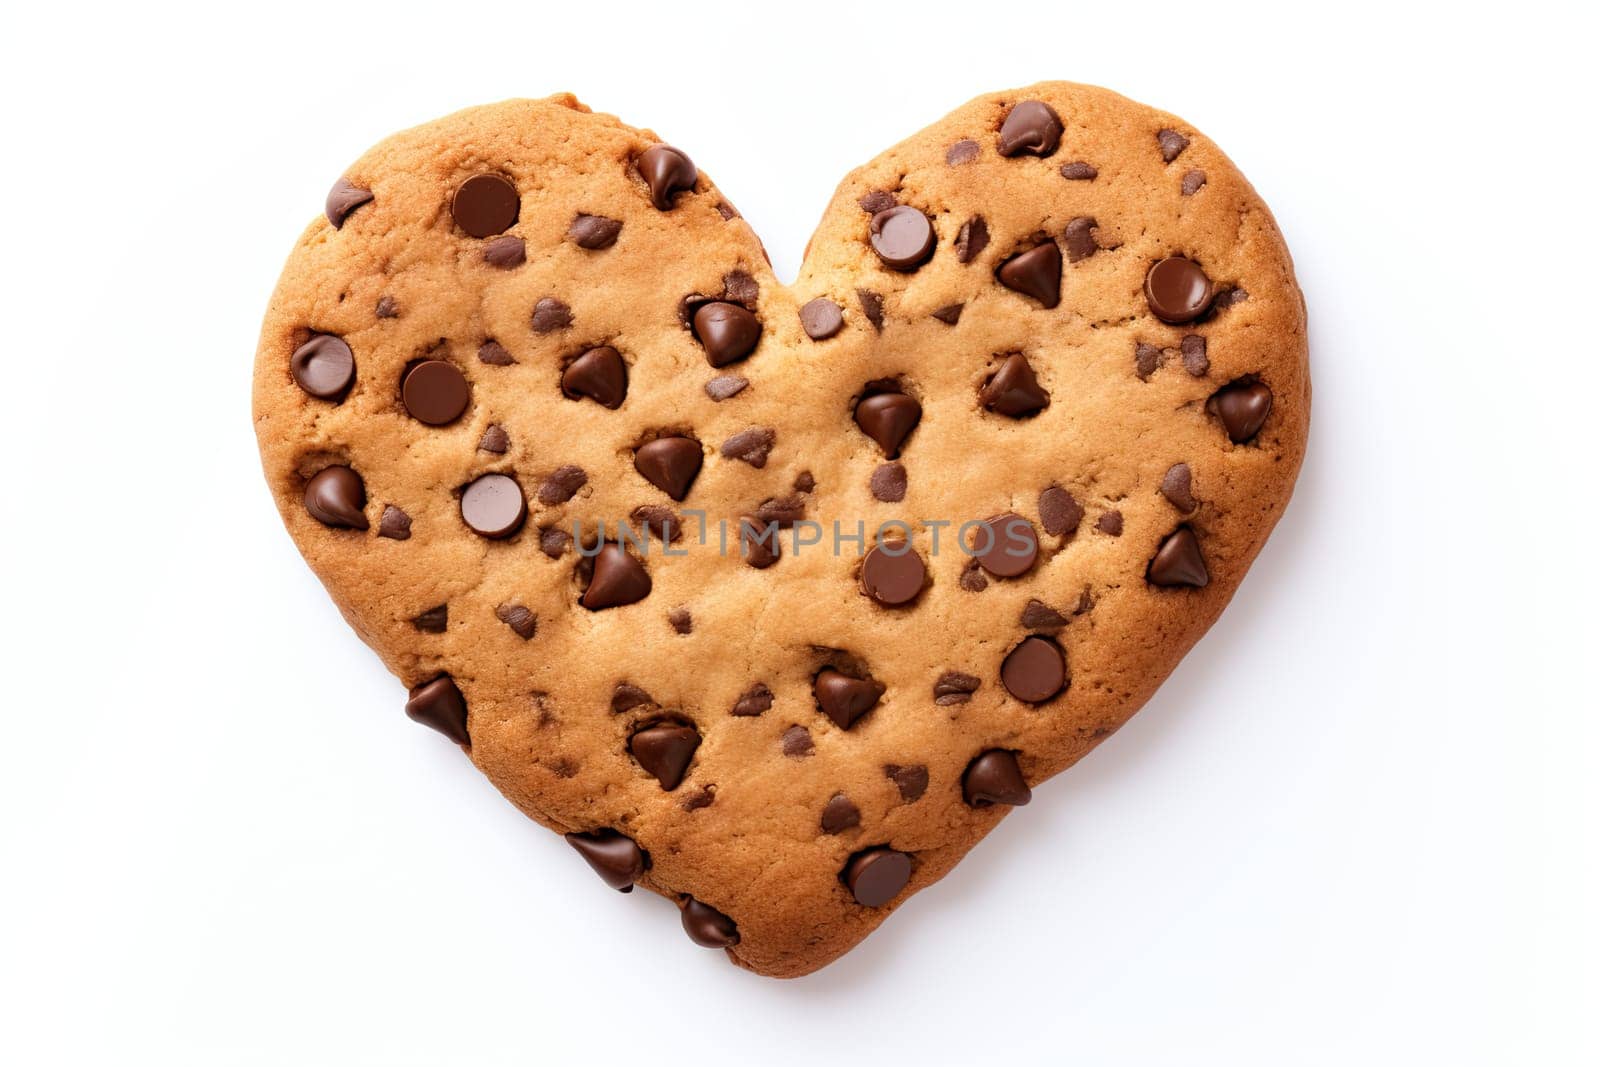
1356, 826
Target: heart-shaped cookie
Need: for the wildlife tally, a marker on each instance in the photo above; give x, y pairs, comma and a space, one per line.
775, 599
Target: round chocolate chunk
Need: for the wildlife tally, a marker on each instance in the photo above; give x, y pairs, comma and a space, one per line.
821, 318
670, 464
708, 927
726, 331
435, 392
598, 374
995, 778
902, 237
439, 704
1005, 545
1035, 670
1243, 407
845, 699
876, 876
1031, 128
1178, 561
485, 204
892, 573
1035, 273
324, 367
617, 579
493, 506
667, 172
614, 857
335, 496
664, 751
888, 418
1177, 290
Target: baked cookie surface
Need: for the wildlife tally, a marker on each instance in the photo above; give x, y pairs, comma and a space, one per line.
607, 497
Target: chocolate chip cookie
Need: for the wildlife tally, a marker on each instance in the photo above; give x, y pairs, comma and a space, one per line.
772, 598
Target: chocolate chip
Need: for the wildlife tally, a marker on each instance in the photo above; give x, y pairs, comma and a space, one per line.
953, 687
911, 781
1178, 561
739, 287
553, 542
1035, 670
961, 152
395, 524
344, 198
670, 464
667, 172
1079, 172
505, 252
613, 856
1146, 359
1193, 181
335, 496
493, 506
1013, 390
598, 374
1176, 486
877, 876
1229, 297
876, 201
495, 440
594, 232
1110, 523
550, 315
494, 354
892, 573
845, 699
839, 814
324, 367
821, 318
1031, 128
1243, 406
754, 701
435, 392
995, 778
949, 315
563, 483
1059, 511
972, 579
433, 621
485, 204
725, 386
680, 620
439, 704
759, 543
1006, 545
664, 751
1195, 361
1177, 290
902, 237
1038, 615
628, 696
797, 742
618, 579
1080, 238
888, 418
784, 511
871, 307
387, 308
1035, 273
1172, 144
726, 331
653, 520
523, 622
708, 927
700, 798
804, 482
888, 483
753, 446
971, 239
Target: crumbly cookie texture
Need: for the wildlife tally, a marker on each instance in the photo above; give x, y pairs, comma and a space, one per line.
1056, 316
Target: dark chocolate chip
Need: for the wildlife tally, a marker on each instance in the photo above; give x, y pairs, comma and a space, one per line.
395, 524
494, 354
563, 483
681, 621
598, 374
523, 622
708, 927
485, 204
553, 542
344, 198
594, 231
1006, 545
759, 543
613, 856
877, 876
845, 699
1146, 359
1109, 522
1172, 144
726, 331
839, 814
1243, 406
1038, 615
972, 579
1229, 297
752, 446
1177, 487
653, 520
1193, 181
324, 367
888, 418
439, 704
740, 288
493, 506
664, 751
700, 798
1079, 172
888, 483
628, 696
726, 385
954, 687
971, 239
387, 308
667, 172
1195, 360
1177, 290
804, 482
753, 701
949, 314
1035, 670
961, 152
550, 315
876, 201
821, 318
1179, 561
495, 440
1031, 128
892, 573
902, 237
871, 307
1013, 390
797, 742
1035, 273
335, 496
433, 621
995, 778
670, 464
911, 781
435, 392
505, 252
727, 211
618, 579
785, 511
1080, 238
1059, 511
